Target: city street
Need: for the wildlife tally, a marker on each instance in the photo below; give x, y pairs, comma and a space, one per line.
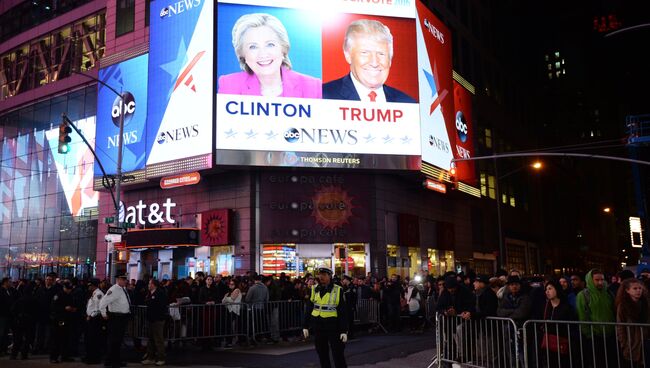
393, 350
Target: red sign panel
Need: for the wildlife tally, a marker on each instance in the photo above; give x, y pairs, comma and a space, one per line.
180, 180
463, 134
215, 227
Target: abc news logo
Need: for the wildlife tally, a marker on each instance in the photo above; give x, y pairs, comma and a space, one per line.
461, 126
321, 136
434, 31
179, 7
126, 106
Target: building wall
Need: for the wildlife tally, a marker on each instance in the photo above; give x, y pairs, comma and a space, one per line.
233, 190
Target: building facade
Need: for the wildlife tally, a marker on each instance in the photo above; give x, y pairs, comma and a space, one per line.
234, 219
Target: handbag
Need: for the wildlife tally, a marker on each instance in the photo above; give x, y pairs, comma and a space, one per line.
552, 342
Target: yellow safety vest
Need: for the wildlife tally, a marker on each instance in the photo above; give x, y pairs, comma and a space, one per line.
325, 306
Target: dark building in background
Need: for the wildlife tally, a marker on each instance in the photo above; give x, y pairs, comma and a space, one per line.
532, 89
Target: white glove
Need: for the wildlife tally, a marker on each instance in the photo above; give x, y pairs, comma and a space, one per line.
305, 333
344, 337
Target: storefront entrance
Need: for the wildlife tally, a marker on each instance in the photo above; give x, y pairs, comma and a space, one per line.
300, 259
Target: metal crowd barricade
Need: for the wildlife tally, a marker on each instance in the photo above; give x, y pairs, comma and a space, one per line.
491, 342
271, 318
575, 344
195, 321
202, 321
367, 313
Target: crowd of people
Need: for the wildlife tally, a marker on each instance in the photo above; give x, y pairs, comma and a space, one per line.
52, 315
590, 300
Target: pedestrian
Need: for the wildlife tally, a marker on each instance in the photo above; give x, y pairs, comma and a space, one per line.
456, 304
115, 307
23, 316
257, 297
233, 301
157, 313
554, 346
632, 306
63, 313
6, 301
350, 292
326, 317
209, 295
595, 305
95, 325
392, 298
44, 296
413, 302
515, 304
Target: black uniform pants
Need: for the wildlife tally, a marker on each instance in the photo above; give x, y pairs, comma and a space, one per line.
116, 329
95, 339
23, 336
60, 339
324, 340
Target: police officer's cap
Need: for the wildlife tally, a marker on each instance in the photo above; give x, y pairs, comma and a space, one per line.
123, 276
94, 282
325, 269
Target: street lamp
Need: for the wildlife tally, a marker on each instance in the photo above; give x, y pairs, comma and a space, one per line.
118, 170
607, 210
537, 165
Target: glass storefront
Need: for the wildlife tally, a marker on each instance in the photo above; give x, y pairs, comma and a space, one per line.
440, 261
48, 209
222, 260
351, 259
278, 258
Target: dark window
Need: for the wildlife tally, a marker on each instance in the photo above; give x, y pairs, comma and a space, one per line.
147, 12
125, 17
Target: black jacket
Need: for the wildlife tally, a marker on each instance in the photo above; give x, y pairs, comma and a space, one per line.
59, 302
486, 303
7, 298
44, 298
157, 309
209, 294
462, 301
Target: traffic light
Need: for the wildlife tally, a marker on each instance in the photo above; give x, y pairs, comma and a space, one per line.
452, 177
64, 137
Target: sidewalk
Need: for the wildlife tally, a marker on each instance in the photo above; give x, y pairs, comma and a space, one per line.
364, 352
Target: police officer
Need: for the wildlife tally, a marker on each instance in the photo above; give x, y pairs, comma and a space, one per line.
63, 312
327, 318
115, 307
95, 325
350, 292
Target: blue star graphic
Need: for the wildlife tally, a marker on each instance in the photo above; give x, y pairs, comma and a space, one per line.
175, 66
432, 82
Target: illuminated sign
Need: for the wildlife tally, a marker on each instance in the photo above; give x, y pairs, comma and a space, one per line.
180, 180
75, 169
179, 123
129, 78
437, 114
463, 134
635, 232
289, 94
143, 214
435, 186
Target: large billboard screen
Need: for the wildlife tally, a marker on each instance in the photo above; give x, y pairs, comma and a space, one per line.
317, 84
179, 123
130, 79
464, 134
436, 88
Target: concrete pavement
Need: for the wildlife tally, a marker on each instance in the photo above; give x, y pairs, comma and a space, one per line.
395, 350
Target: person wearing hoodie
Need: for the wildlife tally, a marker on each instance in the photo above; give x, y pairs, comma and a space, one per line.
633, 306
595, 304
